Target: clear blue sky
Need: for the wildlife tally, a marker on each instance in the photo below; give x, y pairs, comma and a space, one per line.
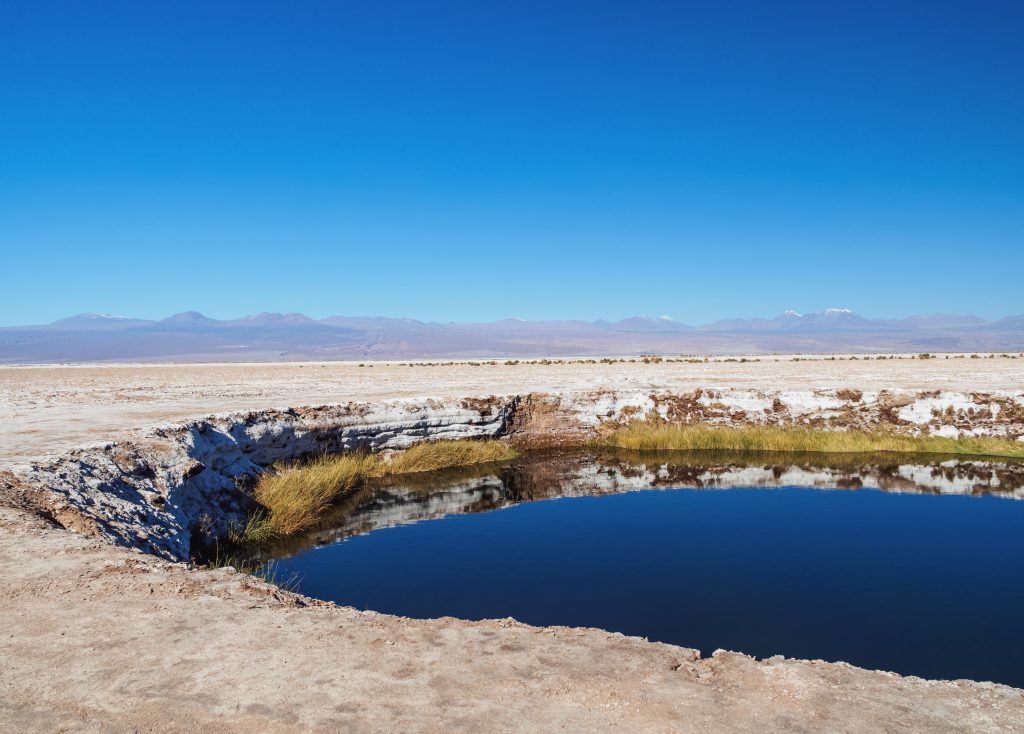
477, 160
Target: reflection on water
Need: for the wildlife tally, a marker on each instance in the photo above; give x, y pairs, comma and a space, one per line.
893, 563
549, 474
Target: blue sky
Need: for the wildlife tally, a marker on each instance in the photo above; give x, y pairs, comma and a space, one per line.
474, 161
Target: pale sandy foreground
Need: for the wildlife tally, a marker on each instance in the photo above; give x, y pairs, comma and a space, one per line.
100, 638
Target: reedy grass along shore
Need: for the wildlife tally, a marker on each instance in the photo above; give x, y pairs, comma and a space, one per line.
292, 498
658, 436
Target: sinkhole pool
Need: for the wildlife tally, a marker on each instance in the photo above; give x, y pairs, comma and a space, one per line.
896, 564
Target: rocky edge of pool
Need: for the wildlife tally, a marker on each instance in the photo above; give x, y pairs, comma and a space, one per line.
110, 627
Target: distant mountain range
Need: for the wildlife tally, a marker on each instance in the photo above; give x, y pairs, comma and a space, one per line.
191, 336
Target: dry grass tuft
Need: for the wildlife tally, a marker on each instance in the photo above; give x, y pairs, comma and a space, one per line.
447, 454
294, 497
653, 436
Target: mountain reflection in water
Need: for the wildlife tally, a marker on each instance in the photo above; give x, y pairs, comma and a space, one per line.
542, 475
759, 554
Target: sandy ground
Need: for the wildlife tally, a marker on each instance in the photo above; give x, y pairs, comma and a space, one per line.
97, 638
46, 410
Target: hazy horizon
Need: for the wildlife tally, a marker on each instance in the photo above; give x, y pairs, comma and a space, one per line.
668, 318
190, 336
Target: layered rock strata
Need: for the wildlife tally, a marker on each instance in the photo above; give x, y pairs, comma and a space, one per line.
157, 489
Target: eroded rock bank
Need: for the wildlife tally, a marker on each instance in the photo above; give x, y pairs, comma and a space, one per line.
158, 488
100, 637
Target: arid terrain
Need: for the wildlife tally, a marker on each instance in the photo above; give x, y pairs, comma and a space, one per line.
104, 637
101, 639
49, 409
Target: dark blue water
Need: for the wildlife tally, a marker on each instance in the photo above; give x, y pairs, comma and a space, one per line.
918, 584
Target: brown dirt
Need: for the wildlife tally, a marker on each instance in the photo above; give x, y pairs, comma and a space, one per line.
97, 638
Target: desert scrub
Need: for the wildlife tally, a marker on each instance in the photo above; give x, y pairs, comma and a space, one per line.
292, 498
657, 436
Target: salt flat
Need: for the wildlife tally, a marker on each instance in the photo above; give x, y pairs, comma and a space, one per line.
50, 409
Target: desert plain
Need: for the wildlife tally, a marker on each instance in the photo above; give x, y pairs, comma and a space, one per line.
99, 637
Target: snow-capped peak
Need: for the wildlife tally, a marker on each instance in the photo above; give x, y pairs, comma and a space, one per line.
834, 311
791, 313
665, 317
95, 316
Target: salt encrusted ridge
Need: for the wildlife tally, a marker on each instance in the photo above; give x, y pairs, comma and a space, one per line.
155, 489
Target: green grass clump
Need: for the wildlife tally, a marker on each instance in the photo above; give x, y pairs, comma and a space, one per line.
292, 498
653, 436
